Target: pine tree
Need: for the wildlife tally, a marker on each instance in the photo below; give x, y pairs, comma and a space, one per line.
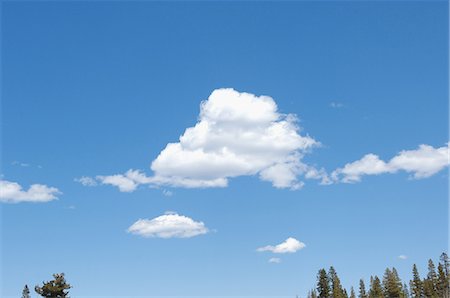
405, 291
444, 277
362, 289
376, 291
56, 288
441, 281
26, 292
392, 286
336, 288
416, 284
430, 283
312, 294
323, 284
352, 293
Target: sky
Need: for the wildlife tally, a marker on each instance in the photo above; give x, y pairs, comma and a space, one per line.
221, 148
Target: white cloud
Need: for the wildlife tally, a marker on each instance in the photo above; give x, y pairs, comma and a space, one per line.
336, 105
12, 192
167, 193
237, 134
291, 245
127, 182
402, 257
169, 225
86, 181
275, 260
421, 163
21, 164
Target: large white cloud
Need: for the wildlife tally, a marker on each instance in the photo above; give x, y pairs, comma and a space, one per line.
421, 163
291, 245
169, 225
12, 192
237, 134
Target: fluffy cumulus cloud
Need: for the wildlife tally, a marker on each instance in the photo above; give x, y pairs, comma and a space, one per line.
422, 162
237, 134
169, 225
291, 245
12, 192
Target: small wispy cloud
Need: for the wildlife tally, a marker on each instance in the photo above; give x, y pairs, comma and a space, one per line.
290, 245
275, 260
20, 164
402, 257
336, 105
167, 193
86, 181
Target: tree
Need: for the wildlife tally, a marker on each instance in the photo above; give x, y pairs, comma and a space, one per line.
56, 288
26, 292
406, 291
312, 294
323, 284
392, 286
362, 289
444, 277
416, 284
352, 293
336, 288
376, 291
430, 283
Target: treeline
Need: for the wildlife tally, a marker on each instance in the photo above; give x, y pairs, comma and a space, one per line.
436, 284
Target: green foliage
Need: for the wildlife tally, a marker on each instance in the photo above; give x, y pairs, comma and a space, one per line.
26, 292
336, 288
352, 293
444, 277
430, 283
362, 289
323, 284
392, 285
416, 284
376, 291
56, 288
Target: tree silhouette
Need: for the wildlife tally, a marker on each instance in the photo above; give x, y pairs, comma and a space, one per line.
26, 292
56, 288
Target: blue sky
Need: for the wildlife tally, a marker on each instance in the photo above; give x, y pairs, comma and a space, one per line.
97, 89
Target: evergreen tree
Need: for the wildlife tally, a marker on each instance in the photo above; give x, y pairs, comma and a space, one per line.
336, 288
26, 292
392, 286
416, 284
56, 288
312, 294
362, 289
441, 281
376, 291
405, 291
352, 293
445, 263
444, 277
323, 284
430, 283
